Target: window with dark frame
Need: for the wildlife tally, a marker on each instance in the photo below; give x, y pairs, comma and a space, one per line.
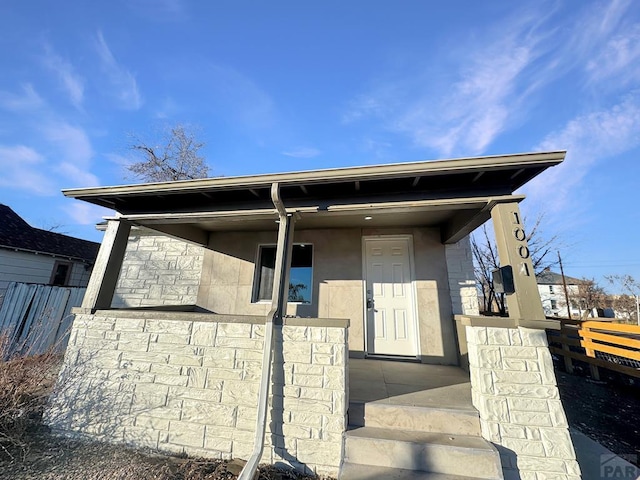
60, 274
300, 275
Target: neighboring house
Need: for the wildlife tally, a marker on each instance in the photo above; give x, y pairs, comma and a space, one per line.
32, 255
552, 294
310, 289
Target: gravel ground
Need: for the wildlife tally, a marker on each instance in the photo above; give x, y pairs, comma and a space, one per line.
606, 411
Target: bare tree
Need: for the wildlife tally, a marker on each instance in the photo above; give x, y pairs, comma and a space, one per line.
486, 260
177, 157
53, 226
631, 287
590, 295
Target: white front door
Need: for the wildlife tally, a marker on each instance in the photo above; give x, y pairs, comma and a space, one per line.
390, 316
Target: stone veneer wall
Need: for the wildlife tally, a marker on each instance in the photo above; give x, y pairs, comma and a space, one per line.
191, 386
462, 281
158, 270
514, 389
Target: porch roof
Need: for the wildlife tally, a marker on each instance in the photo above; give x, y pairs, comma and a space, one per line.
455, 195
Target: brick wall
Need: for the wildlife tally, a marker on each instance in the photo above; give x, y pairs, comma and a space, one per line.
462, 282
191, 386
514, 389
158, 270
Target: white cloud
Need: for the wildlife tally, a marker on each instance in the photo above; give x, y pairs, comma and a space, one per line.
118, 159
241, 96
71, 82
462, 114
72, 141
76, 176
302, 152
85, 213
476, 110
381, 149
123, 82
27, 100
22, 169
618, 58
589, 139
498, 71
595, 23
75, 155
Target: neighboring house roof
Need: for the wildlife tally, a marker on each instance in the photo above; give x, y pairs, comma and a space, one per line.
15, 233
547, 277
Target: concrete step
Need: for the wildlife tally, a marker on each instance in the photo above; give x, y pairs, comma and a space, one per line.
423, 451
354, 471
421, 419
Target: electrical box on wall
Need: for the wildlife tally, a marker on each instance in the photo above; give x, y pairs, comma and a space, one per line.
503, 280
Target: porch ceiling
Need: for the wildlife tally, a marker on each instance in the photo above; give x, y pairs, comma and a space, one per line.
455, 195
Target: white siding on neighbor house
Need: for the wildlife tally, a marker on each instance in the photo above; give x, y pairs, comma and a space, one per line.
28, 267
554, 301
24, 267
158, 270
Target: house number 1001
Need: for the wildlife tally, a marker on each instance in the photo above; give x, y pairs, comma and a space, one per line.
522, 249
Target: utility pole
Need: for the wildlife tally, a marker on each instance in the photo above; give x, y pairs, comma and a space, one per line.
564, 284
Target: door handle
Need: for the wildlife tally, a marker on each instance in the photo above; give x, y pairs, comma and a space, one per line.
370, 303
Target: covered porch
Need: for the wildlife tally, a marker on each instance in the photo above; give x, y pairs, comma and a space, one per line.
391, 262
250, 228
408, 384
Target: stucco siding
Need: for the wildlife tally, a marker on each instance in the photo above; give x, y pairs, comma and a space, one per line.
228, 277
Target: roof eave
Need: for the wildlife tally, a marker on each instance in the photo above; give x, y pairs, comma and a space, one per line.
423, 168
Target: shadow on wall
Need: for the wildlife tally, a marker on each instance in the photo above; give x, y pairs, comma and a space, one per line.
84, 403
509, 460
93, 399
277, 410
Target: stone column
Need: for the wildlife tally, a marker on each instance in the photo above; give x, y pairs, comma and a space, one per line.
513, 251
102, 283
514, 389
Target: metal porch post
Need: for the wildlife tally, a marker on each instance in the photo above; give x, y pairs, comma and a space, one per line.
279, 299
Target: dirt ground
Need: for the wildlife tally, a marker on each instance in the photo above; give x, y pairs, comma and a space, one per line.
55, 458
606, 411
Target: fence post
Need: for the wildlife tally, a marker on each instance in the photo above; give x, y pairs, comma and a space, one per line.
595, 373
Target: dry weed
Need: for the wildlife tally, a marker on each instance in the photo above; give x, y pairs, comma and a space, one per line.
25, 383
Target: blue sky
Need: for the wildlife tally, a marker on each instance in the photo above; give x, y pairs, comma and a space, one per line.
288, 85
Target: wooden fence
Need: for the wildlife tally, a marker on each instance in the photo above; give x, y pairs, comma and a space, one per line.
614, 346
35, 317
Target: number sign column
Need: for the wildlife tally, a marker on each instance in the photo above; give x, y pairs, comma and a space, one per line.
513, 250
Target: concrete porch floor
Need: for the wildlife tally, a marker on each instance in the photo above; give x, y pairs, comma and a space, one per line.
411, 384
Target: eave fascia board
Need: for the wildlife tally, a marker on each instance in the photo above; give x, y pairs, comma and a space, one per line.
452, 233
422, 168
439, 204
